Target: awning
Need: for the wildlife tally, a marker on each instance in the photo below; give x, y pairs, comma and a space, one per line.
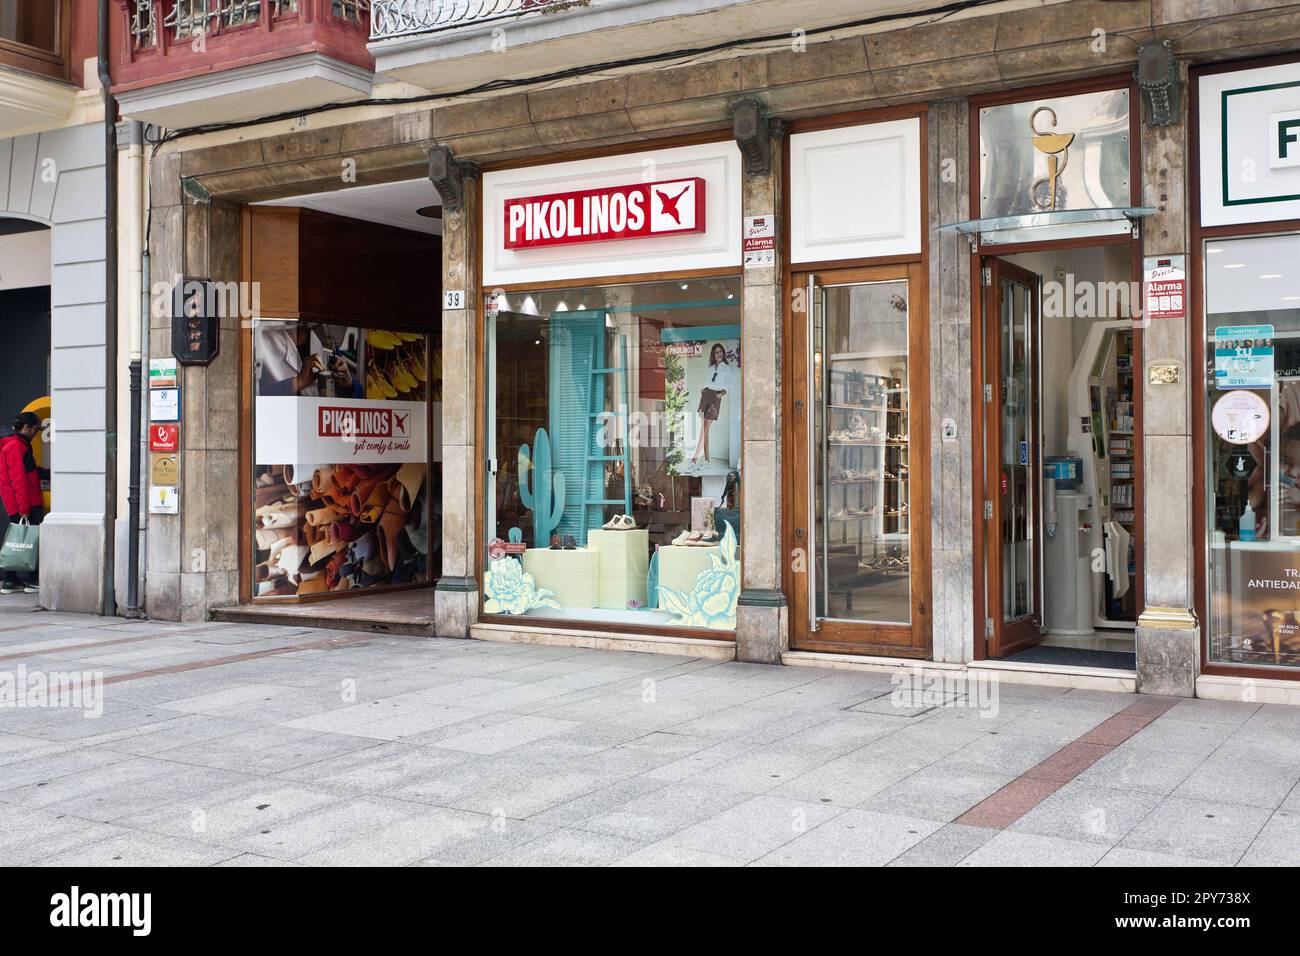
1044, 226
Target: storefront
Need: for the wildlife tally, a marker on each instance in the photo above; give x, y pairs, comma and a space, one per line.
857, 387
1057, 347
1246, 283
341, 377
612, 394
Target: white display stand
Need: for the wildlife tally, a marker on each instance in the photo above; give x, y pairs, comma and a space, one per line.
623, 562
572, 576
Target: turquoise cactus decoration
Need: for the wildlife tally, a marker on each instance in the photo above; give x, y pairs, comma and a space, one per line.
544, 494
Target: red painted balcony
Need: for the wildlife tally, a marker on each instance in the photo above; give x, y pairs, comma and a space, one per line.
183, 63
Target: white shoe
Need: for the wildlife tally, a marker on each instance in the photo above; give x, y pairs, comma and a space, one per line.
10, 589
32, 589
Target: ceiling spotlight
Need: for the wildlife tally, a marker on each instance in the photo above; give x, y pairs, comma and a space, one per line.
1272, 275
1235, 265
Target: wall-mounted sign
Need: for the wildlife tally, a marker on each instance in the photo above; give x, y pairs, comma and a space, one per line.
1240, 417
196, 310
164, 373
164, 469
1243, 356
164, 437
453, 299
164, 500
303, 429
1057, 153
760, 242
1250, 145
1165, 287
613, 212
164, 405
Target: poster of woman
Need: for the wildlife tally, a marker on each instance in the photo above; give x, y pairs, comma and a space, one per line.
706, 375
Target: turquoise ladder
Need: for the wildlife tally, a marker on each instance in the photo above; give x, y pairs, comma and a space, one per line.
596, 457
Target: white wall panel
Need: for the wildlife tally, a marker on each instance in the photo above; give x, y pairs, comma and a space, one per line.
855, 192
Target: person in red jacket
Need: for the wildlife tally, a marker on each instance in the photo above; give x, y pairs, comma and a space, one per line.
20, 487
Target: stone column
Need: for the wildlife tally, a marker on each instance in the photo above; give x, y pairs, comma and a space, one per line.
193, 556
951, 464
456, 600
762, 616
1168, 636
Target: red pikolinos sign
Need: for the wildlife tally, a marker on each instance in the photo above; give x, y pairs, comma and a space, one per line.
666, 208
338, 422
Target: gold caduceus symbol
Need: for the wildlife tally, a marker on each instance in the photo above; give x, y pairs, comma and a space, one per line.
1056, 146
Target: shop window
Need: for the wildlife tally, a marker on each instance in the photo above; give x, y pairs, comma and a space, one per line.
614, 423
862, 453
342, 473
1252, 289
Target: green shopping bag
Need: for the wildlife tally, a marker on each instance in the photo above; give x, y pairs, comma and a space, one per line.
22, 546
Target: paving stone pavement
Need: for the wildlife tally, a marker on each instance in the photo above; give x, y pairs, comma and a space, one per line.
242, 745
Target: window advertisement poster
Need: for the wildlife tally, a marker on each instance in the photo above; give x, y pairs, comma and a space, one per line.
703, 373
1243, 356
341, 475
1257, 588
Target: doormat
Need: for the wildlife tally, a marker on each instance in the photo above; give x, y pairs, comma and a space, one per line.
1075, 657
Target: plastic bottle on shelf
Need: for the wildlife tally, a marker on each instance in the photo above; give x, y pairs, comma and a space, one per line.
1246, 524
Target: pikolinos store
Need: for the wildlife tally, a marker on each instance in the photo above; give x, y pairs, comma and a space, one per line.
613, 405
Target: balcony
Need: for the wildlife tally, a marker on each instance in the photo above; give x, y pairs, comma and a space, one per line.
446, 45
183, 63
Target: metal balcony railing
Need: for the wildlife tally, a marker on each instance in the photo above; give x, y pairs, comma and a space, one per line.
397, 18
182, 20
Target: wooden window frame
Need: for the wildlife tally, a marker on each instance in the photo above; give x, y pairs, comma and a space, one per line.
51, 64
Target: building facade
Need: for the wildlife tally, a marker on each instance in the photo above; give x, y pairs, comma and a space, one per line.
833, 339
52, 279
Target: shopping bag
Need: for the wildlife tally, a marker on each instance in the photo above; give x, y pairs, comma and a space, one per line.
21, 548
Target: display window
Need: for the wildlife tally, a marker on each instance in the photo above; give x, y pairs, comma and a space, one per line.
342, 478
1252, 428
613, 419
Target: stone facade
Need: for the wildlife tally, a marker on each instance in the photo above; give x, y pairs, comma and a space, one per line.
192, 556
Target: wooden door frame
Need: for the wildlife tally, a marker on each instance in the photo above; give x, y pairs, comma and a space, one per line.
913, 640
977, 254
990, 413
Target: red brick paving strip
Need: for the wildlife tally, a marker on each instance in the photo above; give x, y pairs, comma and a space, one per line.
999, 810
64, 648
236, 658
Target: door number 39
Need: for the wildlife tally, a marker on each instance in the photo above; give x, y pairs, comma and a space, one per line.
453, 299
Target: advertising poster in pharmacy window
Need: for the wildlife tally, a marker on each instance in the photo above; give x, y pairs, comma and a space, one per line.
1243, 356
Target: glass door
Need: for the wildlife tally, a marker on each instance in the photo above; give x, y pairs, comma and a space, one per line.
1011, 458
862, 481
